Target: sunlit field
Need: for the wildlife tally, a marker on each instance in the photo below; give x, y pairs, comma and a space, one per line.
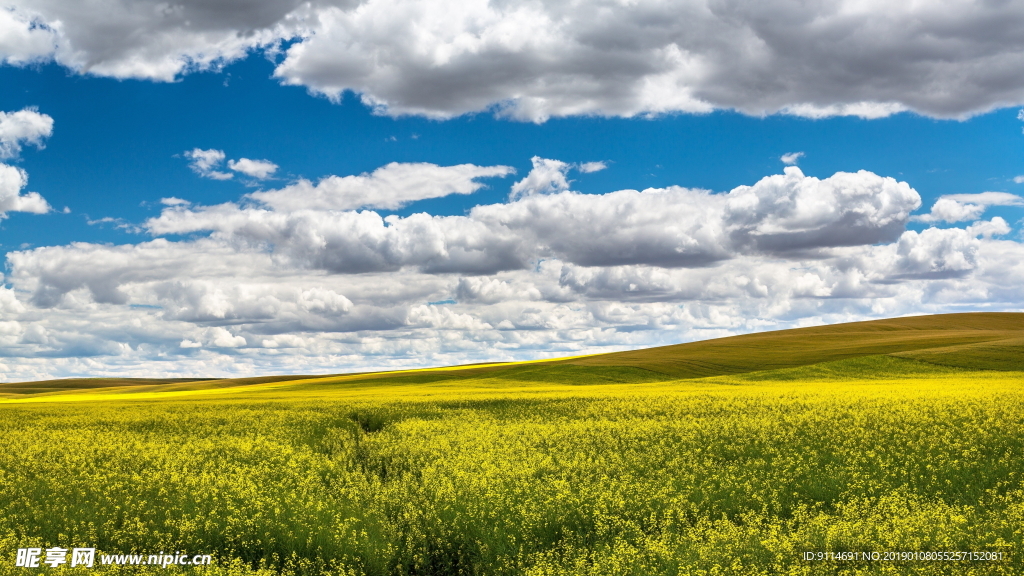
887, 438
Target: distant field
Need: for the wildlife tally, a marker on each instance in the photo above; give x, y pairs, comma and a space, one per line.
731, 456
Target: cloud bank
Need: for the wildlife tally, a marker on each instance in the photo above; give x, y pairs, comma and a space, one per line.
536, 60
300, 279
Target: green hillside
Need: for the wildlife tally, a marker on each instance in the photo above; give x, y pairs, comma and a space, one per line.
982, 341
997, 355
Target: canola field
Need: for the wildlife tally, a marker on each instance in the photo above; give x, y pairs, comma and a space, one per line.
539, 470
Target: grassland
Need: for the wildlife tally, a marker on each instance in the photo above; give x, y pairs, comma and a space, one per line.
732, 456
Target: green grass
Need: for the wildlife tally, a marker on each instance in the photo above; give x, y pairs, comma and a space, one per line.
806, 346
999, 355
554, 468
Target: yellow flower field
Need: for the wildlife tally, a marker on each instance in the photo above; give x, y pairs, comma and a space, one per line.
876, 464
725, 475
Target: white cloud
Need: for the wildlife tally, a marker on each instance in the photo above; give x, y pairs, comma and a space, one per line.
492, 290
936, 253
221, 338
869, 110
967, 207
389, 187
12, 180
791, 158
144, 39
549, 176
23, 39
648, 57
313, 288
987, 229
259, 169
988, 198
1018, 179
664, 227
546, 177
793, 212
950, 210
354, 242
206, 163
26, 126
535, 60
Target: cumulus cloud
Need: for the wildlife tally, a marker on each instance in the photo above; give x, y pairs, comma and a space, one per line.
827, 59
221, 338
24, 39
492, 290
791, 211
307, 286
936, 253
12, 181
950, 210
791, 158
206, 163
259, 169
546, 177
987, 229
346, 242
144, 39
26, 126
967, 207
549, 176
536, 60
671, 227
389, 187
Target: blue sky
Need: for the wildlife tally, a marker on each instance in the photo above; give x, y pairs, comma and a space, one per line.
429, 201
117, 144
